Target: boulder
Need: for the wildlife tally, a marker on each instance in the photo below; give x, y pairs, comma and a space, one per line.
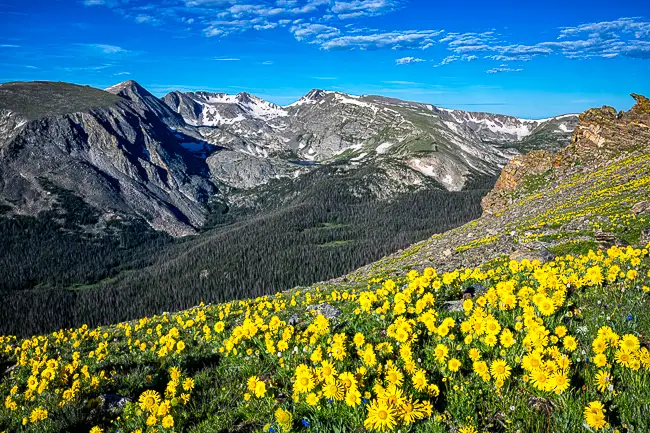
641, 207
532, 252
328, 311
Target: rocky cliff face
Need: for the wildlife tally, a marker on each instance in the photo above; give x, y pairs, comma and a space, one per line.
119, 158
519, 169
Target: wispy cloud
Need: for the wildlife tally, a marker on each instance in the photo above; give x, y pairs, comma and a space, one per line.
396, 40
95, 68
122, 73
323, 78
503, 69
104, 48
363, 8
147, 19
227, 59
9, 46
408, 60
401, 83
314, 32
455, 58
337, 25
267, 62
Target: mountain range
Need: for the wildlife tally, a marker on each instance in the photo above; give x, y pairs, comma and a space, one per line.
166, 160
516, 304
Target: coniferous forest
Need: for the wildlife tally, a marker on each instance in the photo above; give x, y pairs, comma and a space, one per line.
311, 232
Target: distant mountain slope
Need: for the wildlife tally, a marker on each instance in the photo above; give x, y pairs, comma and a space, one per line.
593, 192
126, 151
322, 126
113, 152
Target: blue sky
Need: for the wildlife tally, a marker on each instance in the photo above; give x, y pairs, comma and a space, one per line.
529, 59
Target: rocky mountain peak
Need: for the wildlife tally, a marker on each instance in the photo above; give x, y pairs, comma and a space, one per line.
642, 106
246, 98
128, 86
316, 94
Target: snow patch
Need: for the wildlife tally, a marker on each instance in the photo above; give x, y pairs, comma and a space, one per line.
383, 148
422, 167
451, 125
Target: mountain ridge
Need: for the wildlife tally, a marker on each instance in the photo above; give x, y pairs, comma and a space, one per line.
532, 317
222, 143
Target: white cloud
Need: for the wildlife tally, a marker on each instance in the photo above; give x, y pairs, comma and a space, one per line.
227, 59
315, 32
267, 62
105, 48
362, 8
320, 22
9, 46
147, 19
394, 40
640, 29
408, 60
455, 58
503, 69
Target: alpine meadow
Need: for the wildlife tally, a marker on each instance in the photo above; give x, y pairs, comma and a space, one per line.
307, 216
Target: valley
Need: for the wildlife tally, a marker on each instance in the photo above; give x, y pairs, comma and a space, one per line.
132, 205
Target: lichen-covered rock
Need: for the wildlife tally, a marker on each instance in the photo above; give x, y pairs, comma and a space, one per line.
328, 311
512, 175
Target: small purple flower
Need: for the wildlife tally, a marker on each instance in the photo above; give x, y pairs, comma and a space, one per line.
364, 401
305, 423
630, 317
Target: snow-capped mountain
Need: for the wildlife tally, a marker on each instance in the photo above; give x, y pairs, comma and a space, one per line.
128, 152
325, 126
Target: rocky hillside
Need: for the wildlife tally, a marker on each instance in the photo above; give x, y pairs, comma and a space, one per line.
114, 153
532, 318
132, 155
448, 146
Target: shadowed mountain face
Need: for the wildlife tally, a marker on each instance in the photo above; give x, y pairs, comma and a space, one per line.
116, 154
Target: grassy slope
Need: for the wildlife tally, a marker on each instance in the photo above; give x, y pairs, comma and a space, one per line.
43, 98
393, 310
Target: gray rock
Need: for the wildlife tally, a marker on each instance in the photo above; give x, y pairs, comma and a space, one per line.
476, 289
326, 310
532, 251
452, 306
112, 403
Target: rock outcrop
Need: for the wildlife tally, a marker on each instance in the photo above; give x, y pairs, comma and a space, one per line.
512, 175
601, 135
